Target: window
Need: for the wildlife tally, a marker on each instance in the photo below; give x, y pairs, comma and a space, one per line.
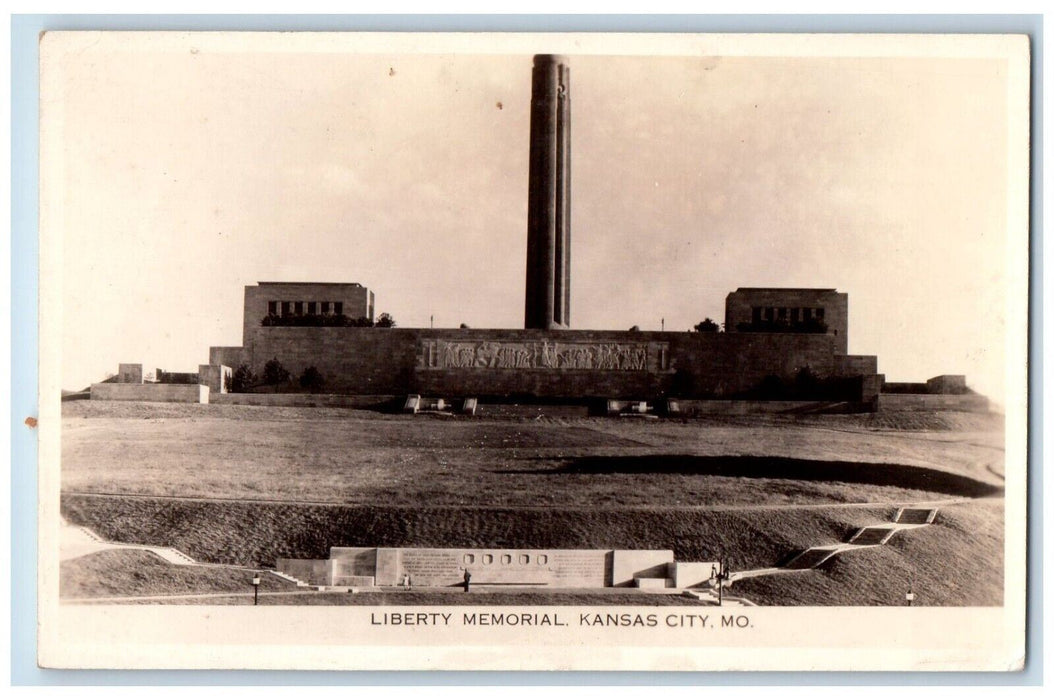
819, 313
338, 307
287, 308
325, 307
469, 558
755, 314
783, 313
312, 307
298, 307
506, 558
272, 308
525, 558
543, 559
488, 558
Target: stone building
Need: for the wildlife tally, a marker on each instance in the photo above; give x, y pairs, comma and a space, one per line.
778, 309
286, 300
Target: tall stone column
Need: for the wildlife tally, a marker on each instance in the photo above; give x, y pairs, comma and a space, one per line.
548, 298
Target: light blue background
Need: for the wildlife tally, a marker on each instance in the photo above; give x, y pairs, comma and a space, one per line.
24, 289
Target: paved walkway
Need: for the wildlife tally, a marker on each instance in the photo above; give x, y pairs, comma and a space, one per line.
76, 541
864, 538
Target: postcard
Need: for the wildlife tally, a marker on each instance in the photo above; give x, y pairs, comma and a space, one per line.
533, 351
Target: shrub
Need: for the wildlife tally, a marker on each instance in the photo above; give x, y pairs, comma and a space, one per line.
385, 320
275, 373
312, 380
707, 325
315, 320
242, 380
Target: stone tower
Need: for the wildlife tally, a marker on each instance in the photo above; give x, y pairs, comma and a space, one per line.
548, 298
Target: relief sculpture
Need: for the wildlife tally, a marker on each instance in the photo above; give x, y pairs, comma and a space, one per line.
542, 355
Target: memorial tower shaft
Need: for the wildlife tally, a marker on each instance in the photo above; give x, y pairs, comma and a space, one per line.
548, 298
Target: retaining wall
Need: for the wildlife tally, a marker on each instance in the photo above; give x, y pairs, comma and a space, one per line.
323, 400
169, 393
970, 403
498, 363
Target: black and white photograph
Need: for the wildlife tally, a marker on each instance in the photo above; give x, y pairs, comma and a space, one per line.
378, 350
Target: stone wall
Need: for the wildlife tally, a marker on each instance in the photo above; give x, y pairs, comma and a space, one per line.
231, 356
316, 572
904, 388
433, 567
500, 363
691, 574
214, 377
970, 403
169, 393
695, 407
128, 373
849, 365
310, 400
947, 384
163, 377
628, 564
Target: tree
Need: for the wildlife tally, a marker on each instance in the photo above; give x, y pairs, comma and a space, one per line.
243, 379
312, 380
634, 329
463, 326
707, 325
385, 320
275, 373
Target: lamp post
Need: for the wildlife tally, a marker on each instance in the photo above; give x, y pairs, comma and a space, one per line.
719, 574
256, 588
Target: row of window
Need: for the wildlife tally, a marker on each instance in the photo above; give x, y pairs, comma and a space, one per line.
299, 308
796, 314
541, 559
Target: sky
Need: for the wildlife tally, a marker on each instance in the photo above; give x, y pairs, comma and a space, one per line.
189, 168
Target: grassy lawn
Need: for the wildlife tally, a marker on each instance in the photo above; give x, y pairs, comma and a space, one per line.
956, 561
129, 572
354, 457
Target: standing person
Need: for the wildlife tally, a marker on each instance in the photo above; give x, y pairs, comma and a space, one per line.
406, 582
468, 579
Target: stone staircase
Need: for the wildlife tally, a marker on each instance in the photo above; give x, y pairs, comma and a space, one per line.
872, 536
291, 579
915, 516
